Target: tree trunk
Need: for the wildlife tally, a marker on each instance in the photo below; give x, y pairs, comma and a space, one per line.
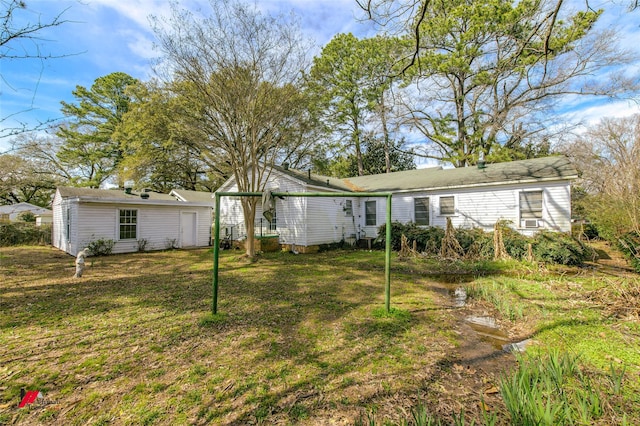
385, 132
249, 210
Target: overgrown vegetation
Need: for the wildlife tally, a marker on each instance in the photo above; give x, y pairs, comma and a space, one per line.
475, 244
24, 233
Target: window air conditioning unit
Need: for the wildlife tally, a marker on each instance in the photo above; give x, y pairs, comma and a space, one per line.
531, 223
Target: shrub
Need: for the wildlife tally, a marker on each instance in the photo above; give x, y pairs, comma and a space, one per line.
27, 217
476, 243
555, 247
101, 247
585, 230
515, 243
428, 239
24, 233
629, 244
142, 244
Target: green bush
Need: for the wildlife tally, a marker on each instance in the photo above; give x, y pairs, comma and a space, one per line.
101, 247
515, 243
428, 239
476, 243
27, 217
547, 246
629, 245
24, 233
556, 247
585, 230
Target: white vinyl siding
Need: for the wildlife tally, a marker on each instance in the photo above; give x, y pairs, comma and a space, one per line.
483, 207
300, 220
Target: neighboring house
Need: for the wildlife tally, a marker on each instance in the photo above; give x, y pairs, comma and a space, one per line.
131, 219
44, 218
532, 194
11, 212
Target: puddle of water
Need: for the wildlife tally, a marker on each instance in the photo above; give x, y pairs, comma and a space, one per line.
517, 347
459, 296
488, 331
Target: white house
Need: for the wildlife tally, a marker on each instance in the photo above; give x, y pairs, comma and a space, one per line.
12, 212
532, 194
131, 219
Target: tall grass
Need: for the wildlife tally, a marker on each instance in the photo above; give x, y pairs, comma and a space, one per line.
553, 389
497, 294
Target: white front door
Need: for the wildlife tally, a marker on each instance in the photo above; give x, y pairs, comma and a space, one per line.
188, 229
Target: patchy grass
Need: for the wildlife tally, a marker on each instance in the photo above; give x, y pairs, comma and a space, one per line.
299, 339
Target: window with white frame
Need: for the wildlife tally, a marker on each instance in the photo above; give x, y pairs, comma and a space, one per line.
370, 213
531, 205
421, 210
447, 205
128, 224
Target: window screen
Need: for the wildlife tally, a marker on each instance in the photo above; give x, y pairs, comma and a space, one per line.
447, 205
531, 205
370, 212
421, 210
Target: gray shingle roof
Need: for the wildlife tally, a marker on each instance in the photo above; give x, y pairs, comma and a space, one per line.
523, 171
533, 170
315, 179
194, 196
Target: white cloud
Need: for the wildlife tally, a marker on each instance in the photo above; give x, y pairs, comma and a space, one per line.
591, 115
137, 11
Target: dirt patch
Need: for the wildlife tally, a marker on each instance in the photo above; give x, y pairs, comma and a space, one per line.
610, 261
471, 374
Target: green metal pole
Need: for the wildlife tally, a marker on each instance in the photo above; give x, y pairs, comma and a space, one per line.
216, 253
387, 258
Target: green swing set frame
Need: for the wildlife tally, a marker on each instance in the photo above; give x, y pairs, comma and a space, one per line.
216, 241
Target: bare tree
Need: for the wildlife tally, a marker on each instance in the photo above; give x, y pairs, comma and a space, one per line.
21, 39
607, 156
244, 68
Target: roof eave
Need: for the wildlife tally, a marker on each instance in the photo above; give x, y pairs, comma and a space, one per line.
139, 201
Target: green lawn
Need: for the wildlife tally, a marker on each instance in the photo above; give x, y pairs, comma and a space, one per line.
299, 339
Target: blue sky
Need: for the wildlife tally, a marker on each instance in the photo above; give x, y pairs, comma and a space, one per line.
105, 36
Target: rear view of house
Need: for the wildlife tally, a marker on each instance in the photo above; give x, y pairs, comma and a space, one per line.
132, 220
531, 195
